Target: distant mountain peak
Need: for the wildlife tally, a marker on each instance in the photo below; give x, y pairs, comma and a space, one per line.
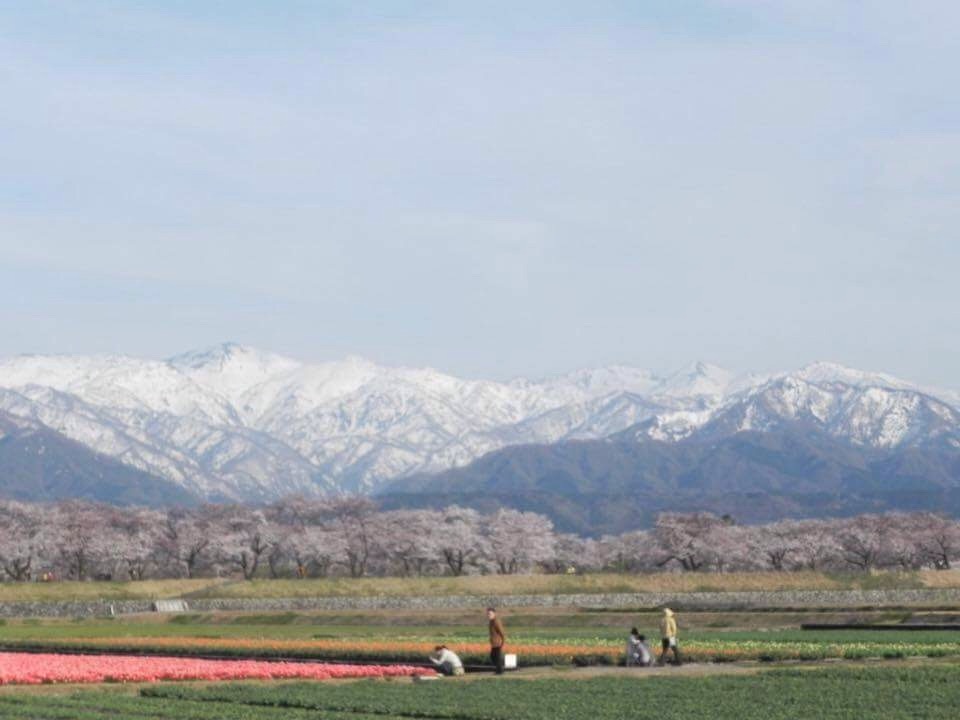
237, 421
699, 379
699, 367
823, 371
225, 352
602, 380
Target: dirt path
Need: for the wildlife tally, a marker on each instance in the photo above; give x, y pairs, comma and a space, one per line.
687, 670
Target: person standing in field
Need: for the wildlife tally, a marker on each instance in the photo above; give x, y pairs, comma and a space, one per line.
668, 633
497, 639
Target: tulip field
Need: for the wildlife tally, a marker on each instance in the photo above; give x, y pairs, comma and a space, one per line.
232, 666
48, 668
534, 648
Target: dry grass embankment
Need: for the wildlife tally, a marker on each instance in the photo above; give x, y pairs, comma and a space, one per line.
471, 585
106, 591
567, 584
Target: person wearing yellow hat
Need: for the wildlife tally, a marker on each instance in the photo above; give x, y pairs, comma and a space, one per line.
668, 634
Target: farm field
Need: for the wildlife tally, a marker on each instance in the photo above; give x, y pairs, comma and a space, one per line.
902, 691
470, 585
49, 668
731, 672
557, 638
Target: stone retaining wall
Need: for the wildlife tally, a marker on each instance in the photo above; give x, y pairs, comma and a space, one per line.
74, 609
947, 598
817, 599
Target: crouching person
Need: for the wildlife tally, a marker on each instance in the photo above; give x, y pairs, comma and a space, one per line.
638, 652
447, 661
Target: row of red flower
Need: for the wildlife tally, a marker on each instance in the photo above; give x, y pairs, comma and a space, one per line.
34, 669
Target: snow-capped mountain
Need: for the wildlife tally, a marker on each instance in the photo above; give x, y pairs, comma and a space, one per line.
862, 408
236, 422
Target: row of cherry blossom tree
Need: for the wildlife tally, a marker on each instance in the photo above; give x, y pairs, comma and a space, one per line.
350, 536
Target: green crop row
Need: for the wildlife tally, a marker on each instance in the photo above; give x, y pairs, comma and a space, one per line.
98, 705
892, 693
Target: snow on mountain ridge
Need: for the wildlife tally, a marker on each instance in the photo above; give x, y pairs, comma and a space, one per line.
348, 423
869, 409
116, 381
835, 372
698, 380
231, 370
235, 421
824, 372
595, 382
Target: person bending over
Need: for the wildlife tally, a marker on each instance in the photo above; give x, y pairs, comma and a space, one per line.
638, 653
447, 661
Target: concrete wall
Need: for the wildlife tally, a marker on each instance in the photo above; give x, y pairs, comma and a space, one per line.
795, 599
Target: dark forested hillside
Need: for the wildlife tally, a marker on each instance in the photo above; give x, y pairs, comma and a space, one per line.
37, 463
610, 485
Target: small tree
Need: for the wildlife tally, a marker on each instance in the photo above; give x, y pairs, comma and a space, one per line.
81, 539
687, 538
408, 539
863, 541
243, 538
22, 539
134, 540
519, 540
938, 540
355, 520
460, 540
776, 545
185, 539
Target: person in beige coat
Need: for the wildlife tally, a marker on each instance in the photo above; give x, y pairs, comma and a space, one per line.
668, 633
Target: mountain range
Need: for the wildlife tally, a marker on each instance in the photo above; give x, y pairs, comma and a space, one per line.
823, 441
236, 423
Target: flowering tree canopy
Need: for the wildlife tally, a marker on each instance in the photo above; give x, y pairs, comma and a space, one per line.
297, 537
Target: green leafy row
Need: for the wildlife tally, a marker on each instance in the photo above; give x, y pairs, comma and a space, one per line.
775, 695
90, 705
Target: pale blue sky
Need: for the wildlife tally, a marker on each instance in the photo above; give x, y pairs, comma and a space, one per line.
492, 188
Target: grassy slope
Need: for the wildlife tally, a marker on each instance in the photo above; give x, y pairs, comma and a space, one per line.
107, 591
473, 585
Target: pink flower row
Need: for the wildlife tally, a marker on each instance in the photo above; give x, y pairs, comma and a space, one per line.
34, 669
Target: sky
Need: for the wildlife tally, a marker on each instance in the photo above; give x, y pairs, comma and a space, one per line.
493, 189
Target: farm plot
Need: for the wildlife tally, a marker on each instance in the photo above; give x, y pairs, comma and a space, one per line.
539, 648
93, 705
893, 693
36, 669
907, 690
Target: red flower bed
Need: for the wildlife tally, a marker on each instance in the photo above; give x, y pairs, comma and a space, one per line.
33, 669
